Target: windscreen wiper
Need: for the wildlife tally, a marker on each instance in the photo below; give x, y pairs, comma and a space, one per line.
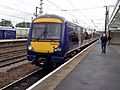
43, 33
50, 36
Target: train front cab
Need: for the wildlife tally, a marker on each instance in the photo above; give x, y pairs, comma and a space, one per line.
46, 41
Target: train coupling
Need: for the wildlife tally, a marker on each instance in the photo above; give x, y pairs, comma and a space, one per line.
42, 61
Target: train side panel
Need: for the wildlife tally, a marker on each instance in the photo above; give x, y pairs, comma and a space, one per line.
22, 32
2, 34
10, 34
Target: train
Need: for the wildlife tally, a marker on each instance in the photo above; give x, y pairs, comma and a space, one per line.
7, 33
13, 33
21, 33
52, 39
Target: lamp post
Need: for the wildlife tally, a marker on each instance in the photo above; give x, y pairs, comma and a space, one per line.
106, 18
41, 7
2, 22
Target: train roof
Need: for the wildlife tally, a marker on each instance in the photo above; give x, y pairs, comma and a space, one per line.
51, 16
58, 17
6, 28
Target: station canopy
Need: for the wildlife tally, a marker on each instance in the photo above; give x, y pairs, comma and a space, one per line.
114, 22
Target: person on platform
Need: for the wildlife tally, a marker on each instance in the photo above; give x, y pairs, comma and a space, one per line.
109, 38
104, 40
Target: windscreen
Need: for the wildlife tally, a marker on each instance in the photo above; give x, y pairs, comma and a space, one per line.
46, 31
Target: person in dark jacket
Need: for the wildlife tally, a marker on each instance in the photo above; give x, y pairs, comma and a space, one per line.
109, 38
103, 42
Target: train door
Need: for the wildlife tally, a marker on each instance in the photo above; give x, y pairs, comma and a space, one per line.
4, 34
80, 35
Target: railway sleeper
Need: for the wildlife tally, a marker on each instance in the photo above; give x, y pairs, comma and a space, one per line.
7, 59
12, 61
13, 50
6, 55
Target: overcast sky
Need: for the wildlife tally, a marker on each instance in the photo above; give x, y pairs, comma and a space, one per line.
89, 13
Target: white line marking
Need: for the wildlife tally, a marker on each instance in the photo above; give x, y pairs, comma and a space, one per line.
12, 40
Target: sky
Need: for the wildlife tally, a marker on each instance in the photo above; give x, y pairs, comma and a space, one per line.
88, 13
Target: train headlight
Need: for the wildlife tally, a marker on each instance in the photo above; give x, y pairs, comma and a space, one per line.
57, 49
30, 47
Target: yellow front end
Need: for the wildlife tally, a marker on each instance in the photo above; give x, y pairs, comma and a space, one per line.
44, 46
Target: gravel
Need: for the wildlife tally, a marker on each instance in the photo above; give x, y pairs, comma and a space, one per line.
14, 72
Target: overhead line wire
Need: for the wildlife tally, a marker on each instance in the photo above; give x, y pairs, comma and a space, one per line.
54, 4
13, 16
78, 11
67, 12
29, 4
14, 9
88, 8
85, 9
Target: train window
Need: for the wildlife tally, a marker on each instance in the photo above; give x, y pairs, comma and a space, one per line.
78, 29
54, 31
46, 31
86, 35
73, 36
37, 30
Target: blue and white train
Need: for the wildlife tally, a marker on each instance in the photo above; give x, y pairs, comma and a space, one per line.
13, 33
7, 33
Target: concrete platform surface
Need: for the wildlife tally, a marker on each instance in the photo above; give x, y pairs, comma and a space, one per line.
97, 71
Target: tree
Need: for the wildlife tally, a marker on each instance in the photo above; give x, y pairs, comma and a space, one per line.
7, 23
23, 24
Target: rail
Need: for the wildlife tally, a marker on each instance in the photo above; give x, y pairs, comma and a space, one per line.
12, 51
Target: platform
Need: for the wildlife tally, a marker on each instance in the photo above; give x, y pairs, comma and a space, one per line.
97, 71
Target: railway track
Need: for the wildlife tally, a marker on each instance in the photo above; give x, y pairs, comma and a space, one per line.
12, 52
30, 79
